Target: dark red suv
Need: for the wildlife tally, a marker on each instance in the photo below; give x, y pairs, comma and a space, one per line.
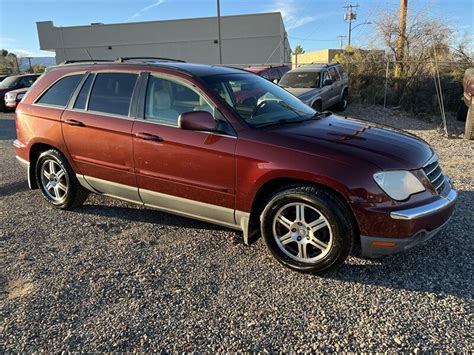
269, 72
172, 136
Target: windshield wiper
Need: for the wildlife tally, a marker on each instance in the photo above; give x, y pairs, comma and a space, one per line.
278, 122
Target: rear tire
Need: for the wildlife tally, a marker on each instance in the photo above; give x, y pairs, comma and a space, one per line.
58, 182
342, 105
462, 112
307, 228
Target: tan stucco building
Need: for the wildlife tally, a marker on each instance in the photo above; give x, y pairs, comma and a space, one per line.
246, 40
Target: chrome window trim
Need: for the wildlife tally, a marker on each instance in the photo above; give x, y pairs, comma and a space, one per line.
105, 114
36, 103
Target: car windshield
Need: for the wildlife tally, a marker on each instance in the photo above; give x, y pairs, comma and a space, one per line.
258, 101
8, 82
300, 79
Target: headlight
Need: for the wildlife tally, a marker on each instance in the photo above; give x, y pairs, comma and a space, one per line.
398, 184
20, 96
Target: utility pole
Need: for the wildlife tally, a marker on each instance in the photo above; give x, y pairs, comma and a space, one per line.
340, 40
402, 28
219, 39
350, 16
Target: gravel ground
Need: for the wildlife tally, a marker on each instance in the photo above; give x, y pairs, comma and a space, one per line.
112, 276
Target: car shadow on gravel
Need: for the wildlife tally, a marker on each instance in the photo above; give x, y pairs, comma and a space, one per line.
147, 215
13, 188
441, 266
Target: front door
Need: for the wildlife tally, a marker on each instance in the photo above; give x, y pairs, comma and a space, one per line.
327, 94
186, 172
97, 129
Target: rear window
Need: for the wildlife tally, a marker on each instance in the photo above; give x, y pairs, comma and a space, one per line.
61, 91
112, 93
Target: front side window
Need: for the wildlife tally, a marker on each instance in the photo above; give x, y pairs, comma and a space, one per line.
112, 93
167, 99
61, 91
334, 74
256, 100
27, 81
275, 74
326, 76
300, 79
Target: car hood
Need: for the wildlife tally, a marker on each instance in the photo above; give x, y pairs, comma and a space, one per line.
302, 93
348, 140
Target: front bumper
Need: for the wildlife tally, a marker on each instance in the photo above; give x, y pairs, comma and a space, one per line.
424, 221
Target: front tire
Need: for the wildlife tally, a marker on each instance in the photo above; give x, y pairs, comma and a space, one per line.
307, 228
57, 181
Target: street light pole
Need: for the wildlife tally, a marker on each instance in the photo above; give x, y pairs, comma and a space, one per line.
352, 29
219, 39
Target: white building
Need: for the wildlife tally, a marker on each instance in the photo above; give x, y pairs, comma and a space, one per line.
246, 40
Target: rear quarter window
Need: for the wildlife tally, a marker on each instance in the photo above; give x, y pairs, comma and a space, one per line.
60, 92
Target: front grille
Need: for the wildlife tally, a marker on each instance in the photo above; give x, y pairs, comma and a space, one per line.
434, 173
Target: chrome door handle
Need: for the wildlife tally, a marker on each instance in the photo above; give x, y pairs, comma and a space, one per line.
148, 136
72, 122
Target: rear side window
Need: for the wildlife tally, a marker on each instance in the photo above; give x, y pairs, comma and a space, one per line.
82, 97
112, 93
342, 72
61, 91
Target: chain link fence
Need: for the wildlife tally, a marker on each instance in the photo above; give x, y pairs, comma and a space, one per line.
431, 87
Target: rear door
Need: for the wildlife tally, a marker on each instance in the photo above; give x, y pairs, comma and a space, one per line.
97, 129
186, 172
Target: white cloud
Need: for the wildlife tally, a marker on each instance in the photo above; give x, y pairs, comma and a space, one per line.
5, 40
146, 8
292, 15
22, 53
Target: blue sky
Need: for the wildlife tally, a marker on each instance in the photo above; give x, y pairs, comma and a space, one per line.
313, 23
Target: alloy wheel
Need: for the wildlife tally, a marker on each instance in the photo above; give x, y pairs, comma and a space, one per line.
53, 179
302, 232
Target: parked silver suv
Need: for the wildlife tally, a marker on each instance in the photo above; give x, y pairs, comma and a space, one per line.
318, 85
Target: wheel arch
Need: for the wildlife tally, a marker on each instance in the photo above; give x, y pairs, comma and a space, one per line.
269, 187
35, 151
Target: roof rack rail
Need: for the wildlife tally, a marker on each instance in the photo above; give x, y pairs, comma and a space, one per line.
160, 59
86, 61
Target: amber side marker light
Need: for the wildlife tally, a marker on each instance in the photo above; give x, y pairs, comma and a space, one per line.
384, 244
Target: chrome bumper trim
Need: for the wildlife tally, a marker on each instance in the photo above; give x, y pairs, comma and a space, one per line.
426, 210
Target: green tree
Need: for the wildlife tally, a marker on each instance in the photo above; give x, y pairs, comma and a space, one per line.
38, 68
298, 49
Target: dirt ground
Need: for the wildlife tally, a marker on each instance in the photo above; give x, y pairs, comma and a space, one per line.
111, 276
